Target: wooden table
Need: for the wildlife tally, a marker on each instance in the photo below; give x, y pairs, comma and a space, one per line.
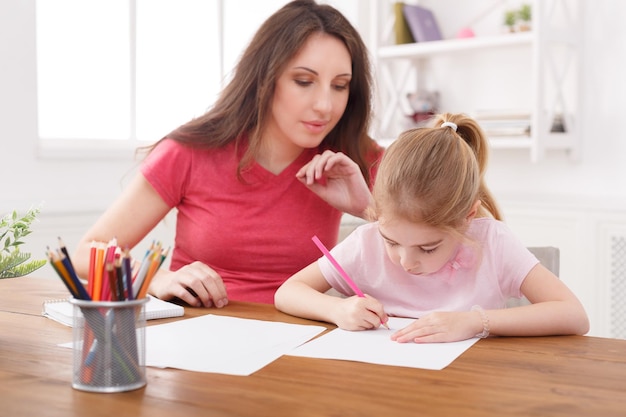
542, 376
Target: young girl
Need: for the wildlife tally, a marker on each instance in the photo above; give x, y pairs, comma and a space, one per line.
437, 252
282, 154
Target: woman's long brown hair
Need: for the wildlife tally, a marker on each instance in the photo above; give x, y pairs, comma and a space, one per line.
243, 108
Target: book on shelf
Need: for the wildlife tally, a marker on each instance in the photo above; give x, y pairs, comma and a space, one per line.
400, 25
509, 132
507, 123
504, 129
62, 311
501, 114
422, 23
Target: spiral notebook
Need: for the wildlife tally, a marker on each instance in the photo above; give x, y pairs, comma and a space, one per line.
61, 310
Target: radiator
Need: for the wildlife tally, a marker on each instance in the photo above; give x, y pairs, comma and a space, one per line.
618, 286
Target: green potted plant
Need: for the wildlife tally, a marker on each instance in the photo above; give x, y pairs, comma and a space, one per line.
524, 14
13, 228
510, 18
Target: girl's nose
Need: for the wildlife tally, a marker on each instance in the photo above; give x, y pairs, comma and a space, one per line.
408, 262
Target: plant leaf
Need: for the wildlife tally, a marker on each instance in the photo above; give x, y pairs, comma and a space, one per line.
23, 269
12, 229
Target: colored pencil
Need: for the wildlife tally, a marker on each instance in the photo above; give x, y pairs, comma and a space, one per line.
98, 272
63, 249
111, 274
155, 263
109, 258
128, 275
92, 268
80, 288
119, 277
56, 263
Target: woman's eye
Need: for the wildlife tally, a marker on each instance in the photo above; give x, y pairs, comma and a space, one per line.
340, 87
303, 83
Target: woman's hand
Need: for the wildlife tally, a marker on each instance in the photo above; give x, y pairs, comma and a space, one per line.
441, 327
338, 180
196, 284
359, 313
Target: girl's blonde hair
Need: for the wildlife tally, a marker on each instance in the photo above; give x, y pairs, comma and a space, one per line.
434, 175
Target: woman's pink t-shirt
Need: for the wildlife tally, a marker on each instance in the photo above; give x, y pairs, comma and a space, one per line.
254, 234
487, 274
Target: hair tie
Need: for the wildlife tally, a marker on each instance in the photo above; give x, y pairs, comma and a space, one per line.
449, 124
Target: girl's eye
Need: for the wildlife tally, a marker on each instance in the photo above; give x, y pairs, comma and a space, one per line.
429, 250
303, 83
392, 244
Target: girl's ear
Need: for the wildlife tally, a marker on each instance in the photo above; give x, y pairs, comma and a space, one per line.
473, 211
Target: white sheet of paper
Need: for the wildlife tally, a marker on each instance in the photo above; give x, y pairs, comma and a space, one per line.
375, 346
222, 344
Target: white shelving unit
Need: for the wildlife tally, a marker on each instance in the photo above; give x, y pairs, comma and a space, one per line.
537, 72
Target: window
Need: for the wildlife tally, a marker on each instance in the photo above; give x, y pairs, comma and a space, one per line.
114, 73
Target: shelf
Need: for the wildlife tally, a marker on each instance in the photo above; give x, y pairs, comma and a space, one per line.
538, 70
494, 143
427, 49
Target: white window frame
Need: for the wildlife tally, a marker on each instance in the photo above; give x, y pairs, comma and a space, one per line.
97, 149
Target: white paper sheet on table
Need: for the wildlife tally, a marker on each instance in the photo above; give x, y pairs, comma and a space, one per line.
375, 346
222, 344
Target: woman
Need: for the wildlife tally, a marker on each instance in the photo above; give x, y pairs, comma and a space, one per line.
282, 154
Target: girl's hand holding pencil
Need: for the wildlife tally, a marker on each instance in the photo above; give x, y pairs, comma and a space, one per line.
359, 313
372, 306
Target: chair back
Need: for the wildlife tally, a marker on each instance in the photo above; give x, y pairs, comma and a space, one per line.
548, 256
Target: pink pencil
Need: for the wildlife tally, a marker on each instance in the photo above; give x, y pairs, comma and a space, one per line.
341, 271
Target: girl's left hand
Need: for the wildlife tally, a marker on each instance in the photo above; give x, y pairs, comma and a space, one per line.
441, 327
337, 179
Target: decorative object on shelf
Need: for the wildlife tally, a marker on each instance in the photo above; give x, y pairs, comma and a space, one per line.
422, 23
13, 228
467, 31
558, 124
518, 20
524, 15
400, 25
510, 19
424, 104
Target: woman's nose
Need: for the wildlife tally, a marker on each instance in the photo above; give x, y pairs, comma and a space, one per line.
323, 101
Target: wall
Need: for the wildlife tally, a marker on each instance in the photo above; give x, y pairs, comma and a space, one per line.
581, 206
574, 205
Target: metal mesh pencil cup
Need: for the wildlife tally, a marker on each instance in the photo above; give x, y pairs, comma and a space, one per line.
109, 345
